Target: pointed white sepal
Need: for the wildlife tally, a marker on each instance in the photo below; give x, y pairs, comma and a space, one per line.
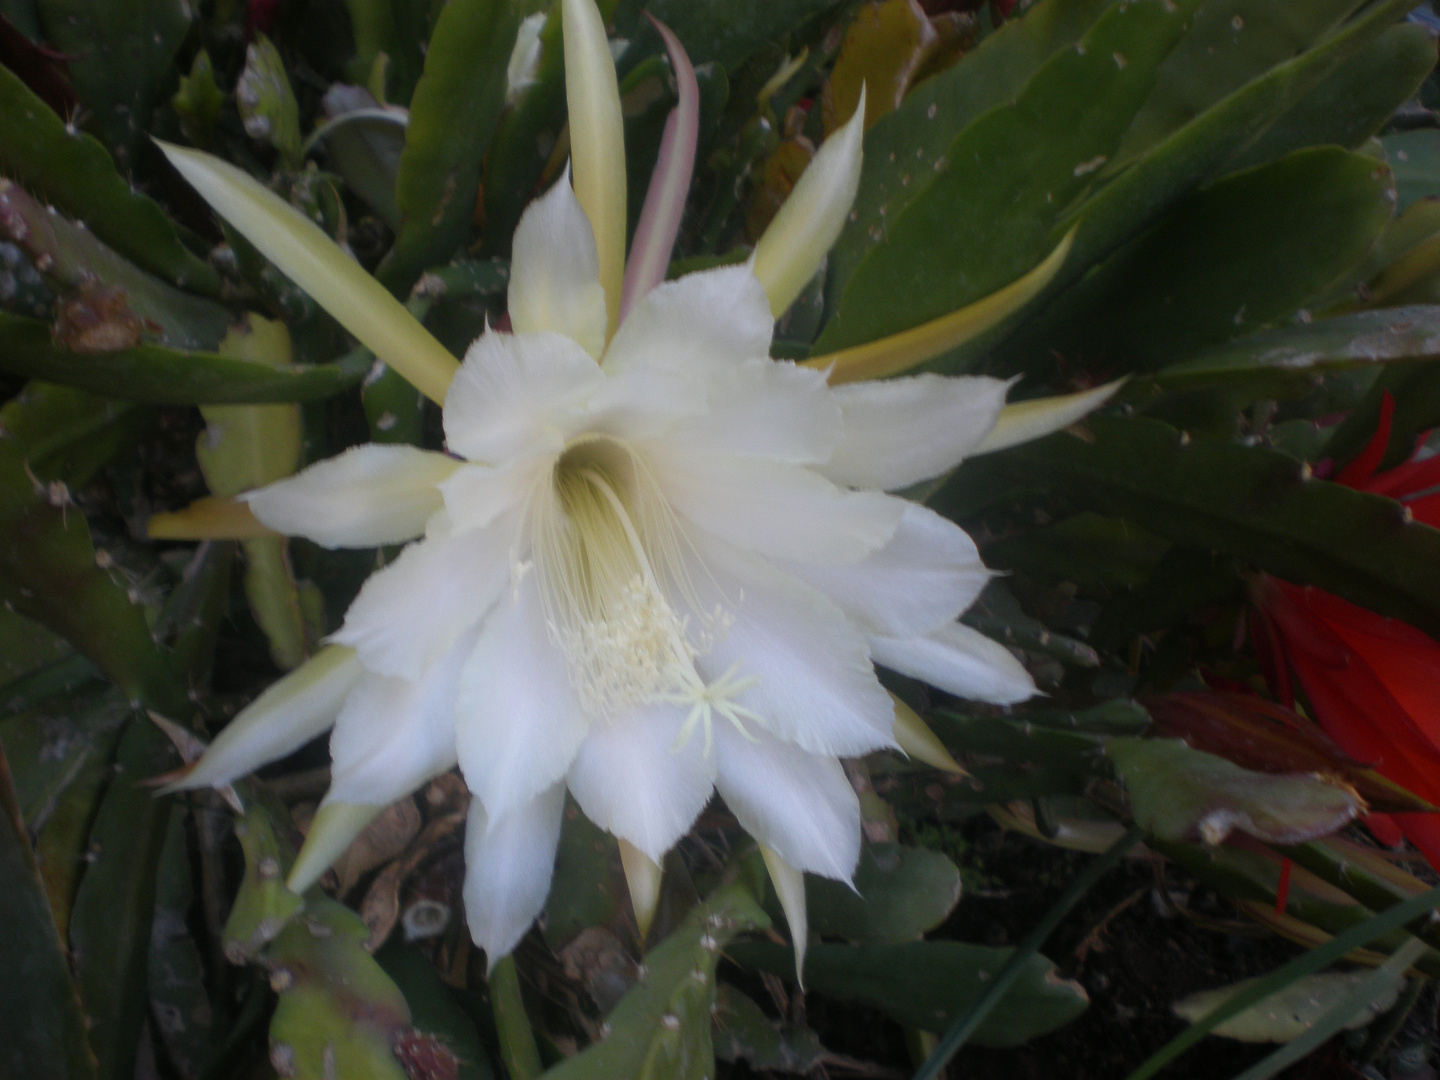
790, 889
1027, 420
284, 718
508, 864
337, 282
796, 240
643, 876
334, 829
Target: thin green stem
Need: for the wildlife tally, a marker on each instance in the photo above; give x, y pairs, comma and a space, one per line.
517, 1041
967, 1022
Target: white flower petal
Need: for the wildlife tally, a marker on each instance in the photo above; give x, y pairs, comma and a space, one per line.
799, 805
901, 431
508, 863
631, 779
475, 495
395, 734
367, 496
639, 403
796, 240
518, 722
284, 718
512, 396
701, 325
925, 577
960, 661
778, 510
555, 271
408, 614
816, 686
766, 409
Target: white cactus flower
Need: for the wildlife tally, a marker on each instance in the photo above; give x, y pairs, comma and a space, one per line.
654, 564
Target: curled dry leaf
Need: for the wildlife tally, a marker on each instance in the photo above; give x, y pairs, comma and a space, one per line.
383, 840
598, 961
380, 909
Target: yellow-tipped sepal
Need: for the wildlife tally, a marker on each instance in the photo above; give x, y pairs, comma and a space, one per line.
914, 737
1027, 420
597, 142
796, 241
643, 875
208, 518
334, 829
910, 348
284, 718
790, 889
305, 254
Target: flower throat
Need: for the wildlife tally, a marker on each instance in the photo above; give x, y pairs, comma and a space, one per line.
609, 554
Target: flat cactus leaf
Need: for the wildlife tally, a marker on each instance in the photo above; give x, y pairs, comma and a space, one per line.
661, 1028
114, 905
1250, 502
729, 33
263, 906
1005, 180
49, 569
1355, 100
198, 101
588, 888
1202, 150
42, 1028
743, 1031
1290, 1013
1415, 157
930, 117
453, 116
1230, 43
122, 56
900, 893
339, 1013
1180, 794
1283, 362
158, 375
434, 1011
75, 173
179, 1001
1244, 253
104, 302
51, 743
63, 804
927, 984
266, 102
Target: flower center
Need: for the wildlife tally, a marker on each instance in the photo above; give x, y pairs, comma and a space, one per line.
610, 557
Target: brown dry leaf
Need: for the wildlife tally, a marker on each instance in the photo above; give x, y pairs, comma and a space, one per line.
383, 839
597, 960
446, 794
380, 909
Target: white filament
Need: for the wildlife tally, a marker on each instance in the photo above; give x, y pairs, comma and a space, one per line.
611, 560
